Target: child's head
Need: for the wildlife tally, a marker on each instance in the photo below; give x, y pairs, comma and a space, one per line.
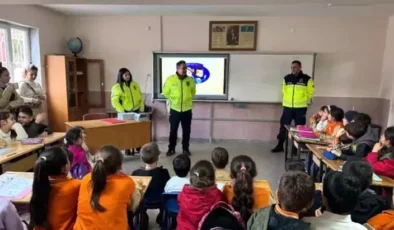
74, 136
243, 170
6, 121
340, 192
31, 72
150, 153
355, 130
296, 191
363, 118
52, 162
361, 170
83, 132
109, 161
182, 165
336, 114
202, 175
4, 75
349, 116
323, 111
387, 139
25, 115
219, 157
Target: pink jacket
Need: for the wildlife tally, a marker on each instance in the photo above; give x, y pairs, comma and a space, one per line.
79, 155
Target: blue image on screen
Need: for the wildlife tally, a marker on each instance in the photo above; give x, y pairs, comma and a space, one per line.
199, 73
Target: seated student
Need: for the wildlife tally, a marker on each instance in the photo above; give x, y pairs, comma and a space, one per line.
9, 129
220, 160
91, 157
33, 127
9, 218
382, 156
369, 203
365, 119
54, 200
349, 117
105, 194
74, 140
150, 156
196, 199
340, 197
244, 197
382, 221
182, 166
295, 193
318, 121
9, 98
334, 128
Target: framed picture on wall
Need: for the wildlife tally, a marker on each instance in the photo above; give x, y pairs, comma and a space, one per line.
232, 35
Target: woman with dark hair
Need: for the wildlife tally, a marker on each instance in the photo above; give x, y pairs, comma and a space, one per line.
9, 98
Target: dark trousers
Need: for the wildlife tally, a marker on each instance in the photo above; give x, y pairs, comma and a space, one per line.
288, 115
185, 119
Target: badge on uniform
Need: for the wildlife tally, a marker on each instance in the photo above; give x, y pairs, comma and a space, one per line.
188, 83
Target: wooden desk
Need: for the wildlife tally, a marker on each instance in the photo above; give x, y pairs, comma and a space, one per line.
127, 135
26, 153
54, 137
336, 165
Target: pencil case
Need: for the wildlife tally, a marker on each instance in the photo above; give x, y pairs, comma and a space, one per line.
32, 141
329, 155
304, 128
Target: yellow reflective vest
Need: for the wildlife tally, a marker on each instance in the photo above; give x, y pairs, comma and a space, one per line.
297, 90
127, 99
180, 93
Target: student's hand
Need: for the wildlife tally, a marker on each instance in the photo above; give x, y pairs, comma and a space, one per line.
329, 148
44, 134
36, 101
41, 118
377, 147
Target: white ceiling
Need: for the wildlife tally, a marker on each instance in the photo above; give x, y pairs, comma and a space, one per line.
308, 8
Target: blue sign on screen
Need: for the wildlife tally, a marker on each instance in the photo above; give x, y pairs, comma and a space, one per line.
199, 73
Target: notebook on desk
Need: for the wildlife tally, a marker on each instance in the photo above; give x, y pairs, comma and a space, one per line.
113, 120
14, 187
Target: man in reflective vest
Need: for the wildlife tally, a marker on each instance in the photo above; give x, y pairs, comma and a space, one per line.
179, 89
298, 89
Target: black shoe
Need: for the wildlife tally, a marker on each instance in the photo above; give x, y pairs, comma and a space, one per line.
128, 152
170, 152
277, 149
187, 152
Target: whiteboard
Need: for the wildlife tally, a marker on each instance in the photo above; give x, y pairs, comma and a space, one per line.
259, 77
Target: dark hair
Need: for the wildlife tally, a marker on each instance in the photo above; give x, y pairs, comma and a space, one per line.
243, 170
182, 62
120, 79
80, 127
73, 135
297, 62
336, 113
341, 192
363, 119
296, 191
202, 175
181, 165
356, 130
350, 115
4, 117
31, 67
344, 139
389, 136
150, 153
219, 157
26, 110
109, 162
361, 170
50, 163
2, 70
324, 107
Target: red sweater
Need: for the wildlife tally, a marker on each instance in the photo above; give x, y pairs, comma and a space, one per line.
383, 167
194, 204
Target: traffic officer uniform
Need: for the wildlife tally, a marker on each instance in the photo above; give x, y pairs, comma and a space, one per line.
127, 99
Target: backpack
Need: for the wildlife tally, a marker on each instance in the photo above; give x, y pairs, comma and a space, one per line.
221, 216
79, 170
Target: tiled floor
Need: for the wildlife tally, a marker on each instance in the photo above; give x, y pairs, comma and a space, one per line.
269, 166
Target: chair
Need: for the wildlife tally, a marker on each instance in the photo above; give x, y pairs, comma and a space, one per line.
94, 116
170, 209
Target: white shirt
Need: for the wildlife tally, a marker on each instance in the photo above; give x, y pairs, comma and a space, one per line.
20, 133
28, 89
331, 221
321, 125
176, 183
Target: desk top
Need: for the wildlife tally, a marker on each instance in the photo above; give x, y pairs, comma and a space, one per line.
98, 123
337, 164
54, 137
25, 200
296, 138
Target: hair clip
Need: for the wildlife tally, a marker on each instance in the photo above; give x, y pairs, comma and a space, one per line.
197, 174
43, 158
100, 159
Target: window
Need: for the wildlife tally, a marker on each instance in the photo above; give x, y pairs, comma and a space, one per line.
14, 49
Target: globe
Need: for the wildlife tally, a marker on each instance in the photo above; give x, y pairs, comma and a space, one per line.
75, 45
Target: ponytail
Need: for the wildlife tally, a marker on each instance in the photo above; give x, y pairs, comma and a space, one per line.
99, 180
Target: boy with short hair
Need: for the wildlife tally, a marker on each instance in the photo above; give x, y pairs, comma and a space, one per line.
295, 193
182, 166
33, 127
340, 197
220, 160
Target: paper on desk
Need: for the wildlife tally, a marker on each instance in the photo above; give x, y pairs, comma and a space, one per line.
376, 178
14, 187
5, 151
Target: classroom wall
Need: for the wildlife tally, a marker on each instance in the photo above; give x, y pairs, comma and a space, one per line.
348, 65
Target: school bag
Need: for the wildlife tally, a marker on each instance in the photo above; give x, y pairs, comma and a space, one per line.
221, 216
79, 170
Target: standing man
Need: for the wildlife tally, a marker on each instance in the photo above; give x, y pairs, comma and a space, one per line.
179, 89
298, 89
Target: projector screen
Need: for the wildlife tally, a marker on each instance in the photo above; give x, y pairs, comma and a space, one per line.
209, 72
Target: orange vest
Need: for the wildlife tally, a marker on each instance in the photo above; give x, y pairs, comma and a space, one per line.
383, 221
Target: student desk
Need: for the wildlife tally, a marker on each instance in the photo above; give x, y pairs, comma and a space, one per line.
54, 138
126, 135
336, 165
26, 200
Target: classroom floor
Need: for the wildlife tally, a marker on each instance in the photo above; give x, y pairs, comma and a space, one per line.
269, 166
